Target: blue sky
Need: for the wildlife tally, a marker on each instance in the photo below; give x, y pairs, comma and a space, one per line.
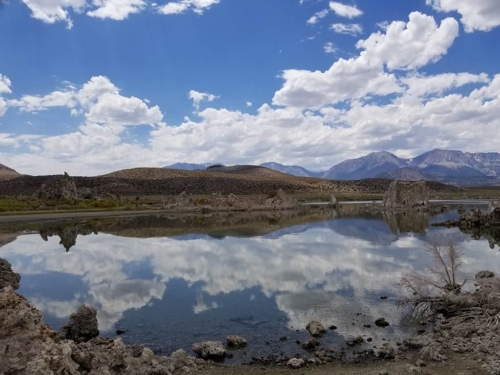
308, 82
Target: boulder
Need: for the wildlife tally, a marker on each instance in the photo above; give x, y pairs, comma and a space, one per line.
209, 349
236, 342
316, 329
82, 325
406, 195
333, 201
7, 276
295, 363
386, 352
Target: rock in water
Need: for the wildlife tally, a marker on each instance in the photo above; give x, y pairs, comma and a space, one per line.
406, 195
236, 342
82, 325
381, 322
209, 349
295, 363
316, 329
7, 276
333, 201
311, 344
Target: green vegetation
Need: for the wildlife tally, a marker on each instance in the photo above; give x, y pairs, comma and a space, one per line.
202, 201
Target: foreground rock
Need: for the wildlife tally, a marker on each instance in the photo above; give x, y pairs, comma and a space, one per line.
316, 329
34, 348
472, 326
28, 346
7, 276
275, 201
236, 342
82, 325
406, 195
209, 349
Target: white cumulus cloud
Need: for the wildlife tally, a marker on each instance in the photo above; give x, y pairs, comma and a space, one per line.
482, 15
181, 6
198, 97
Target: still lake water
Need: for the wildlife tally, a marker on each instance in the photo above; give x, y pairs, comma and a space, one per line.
171, 282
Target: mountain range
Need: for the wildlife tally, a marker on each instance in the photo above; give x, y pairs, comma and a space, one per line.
449, 166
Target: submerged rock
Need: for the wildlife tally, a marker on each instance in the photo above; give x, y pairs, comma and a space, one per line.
311, 344
316, 329
381, 322
7, 276
236, 342
352, 341
82, 325
209, 349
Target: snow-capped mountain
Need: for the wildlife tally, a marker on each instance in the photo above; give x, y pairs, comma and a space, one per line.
368, 166
449, 166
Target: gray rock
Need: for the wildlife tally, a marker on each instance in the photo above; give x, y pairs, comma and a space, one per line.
82, 325
316, 329
209, 349
406, 195
420, 363
236, 342
295, 363
7, 276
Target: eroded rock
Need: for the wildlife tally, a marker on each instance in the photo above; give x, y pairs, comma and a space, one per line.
315, 328
209, 349
7, 276
311, 344
82, 325
406, 195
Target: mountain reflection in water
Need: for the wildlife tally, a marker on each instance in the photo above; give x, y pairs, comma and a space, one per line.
174, 280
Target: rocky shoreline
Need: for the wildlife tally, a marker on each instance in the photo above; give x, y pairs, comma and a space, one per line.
469, 326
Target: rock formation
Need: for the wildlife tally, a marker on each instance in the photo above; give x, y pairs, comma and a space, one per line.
231, 202
209, 349
7, 276
406, 195
82, 325
60, 187
34, 348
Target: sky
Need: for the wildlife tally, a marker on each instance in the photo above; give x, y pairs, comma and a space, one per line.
93, 86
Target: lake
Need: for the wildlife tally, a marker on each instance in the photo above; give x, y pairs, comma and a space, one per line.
171, 281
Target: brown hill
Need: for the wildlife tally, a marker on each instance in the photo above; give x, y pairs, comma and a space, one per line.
7, 173
250, 170
246, 180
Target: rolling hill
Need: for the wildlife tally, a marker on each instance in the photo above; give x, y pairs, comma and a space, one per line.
7, 173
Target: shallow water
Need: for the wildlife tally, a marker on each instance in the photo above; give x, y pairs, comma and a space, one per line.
171, 282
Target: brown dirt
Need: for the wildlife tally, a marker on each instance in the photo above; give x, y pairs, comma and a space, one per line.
456, 365
7, 173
